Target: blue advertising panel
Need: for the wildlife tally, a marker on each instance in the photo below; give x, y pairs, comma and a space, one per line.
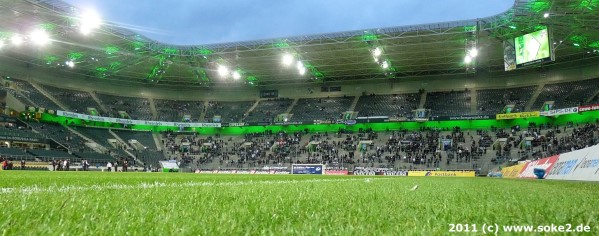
308, 169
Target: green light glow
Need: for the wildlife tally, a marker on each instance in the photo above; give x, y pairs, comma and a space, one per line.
172, 51
75, 56
137, 45
48, 26
470, 28
111, 50
114, 65
594, 44
281, 45
50, 59
540, 5
205, 52
367, 36
579, 40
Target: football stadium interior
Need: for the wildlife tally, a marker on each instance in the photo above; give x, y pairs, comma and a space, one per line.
487, 97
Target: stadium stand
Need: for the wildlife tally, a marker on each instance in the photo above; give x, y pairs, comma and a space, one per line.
76, 101
20, 132
267, 110
448, 103
36, 96
396, 105
136, 108
568, 94
103, 137
16, 153
229, 111
492, 101
46, 155
330, 108
171, 110
61, 135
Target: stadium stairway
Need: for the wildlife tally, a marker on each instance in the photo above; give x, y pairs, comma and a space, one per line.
592, 97
157, 141
98, 148
100, 103
118, 138
203, 114
473, 101
153, 108
251, 108
534, 97
354, 103
422, 100
45, 93
19, 92
291, 106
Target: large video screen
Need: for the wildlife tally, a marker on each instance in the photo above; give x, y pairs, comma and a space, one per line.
527, 49
532, 47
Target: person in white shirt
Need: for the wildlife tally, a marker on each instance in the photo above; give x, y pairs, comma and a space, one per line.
109, 166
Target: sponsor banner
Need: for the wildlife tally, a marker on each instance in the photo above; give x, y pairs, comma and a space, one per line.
545, 163
577, 165
336, 172
244, 172
307, 169
456, 173
395, 173
588, 108
563, 111
289, 123
519, 115
136, 122
380, 172
22, 139
512, 171
466, 117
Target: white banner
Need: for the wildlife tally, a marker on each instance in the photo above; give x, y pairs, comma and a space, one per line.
135, 122
563, 111
578, 165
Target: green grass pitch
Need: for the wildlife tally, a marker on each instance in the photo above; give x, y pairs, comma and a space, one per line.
86, 203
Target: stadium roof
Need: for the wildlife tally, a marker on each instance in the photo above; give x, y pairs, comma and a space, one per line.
115, 53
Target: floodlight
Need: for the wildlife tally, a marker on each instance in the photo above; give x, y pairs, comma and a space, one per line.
473, 52
39, 37
302, 71
300, 65
287, 59
467, 59
377, 52
385, 64
88, 21
546, 15
16, 40
236, 75
70, 64
223, 71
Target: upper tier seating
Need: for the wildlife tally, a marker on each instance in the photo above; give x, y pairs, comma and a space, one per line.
76, 101
171, 110
229, 111
310, 109
492, 101
567, 94
267, 110
396, 105
137, 108
448, 103
36, 96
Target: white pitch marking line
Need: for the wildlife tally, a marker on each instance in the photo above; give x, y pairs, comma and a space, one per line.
70, 188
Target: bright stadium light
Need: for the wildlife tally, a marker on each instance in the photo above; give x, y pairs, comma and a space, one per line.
473, 52
223, 71
287, 59
302, 71
89, 21
70, 64
546, 15
467, 59
300, 65
16, 40
236, 75
377, 52
385, 64
39, 37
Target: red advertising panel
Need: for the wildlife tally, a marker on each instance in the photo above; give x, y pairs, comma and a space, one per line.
545, 163
336, 172
588, 108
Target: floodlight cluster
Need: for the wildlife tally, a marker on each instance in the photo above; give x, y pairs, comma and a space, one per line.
289, 59
377, 54
472, 53
224, 72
